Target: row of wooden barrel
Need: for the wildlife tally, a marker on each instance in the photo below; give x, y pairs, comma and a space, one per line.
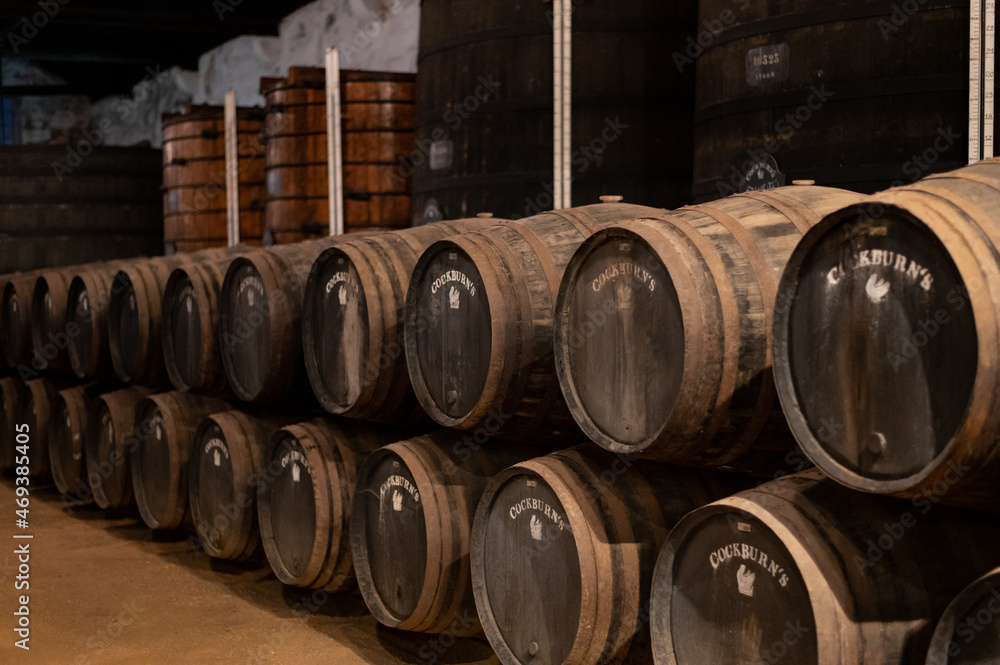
562, 558
282, 161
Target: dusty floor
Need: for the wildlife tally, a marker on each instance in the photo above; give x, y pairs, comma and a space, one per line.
108, 591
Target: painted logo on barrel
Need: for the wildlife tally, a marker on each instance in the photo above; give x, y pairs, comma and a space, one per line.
349, 286
624, 270
753, 555
298, 462
901, 264
253, 287
456, 276
536, 507
396, 483
218, 447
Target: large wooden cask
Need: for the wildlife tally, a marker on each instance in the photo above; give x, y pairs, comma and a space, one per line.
107, 450
17, 298
35, 409
424, 492
87, 311
352, 321
304, 500
260, 321
803, 570
663, 328
225, 467
77, 204
194, 178
12, 392
377, 133
485, 100
479, 321
71, 423
165, 426
50, 328
845, 93
884, 340
563, 550
967, 633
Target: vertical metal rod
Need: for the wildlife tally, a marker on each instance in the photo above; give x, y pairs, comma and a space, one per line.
562, 102
567, 100
975, 80
989, 71
557, 107
334, 144
232, 171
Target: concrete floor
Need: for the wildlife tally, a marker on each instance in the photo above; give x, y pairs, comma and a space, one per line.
106, 591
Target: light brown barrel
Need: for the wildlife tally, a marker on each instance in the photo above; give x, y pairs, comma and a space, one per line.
663, 328
885, 340
87, 312
16, 305
194, 177
967, 632
377, 132
802, 570
260, 321
12, 392
165, 425
424, 492
479, 321
226, 465
304, 499
108, 448
352, 321
563, 549
71, 423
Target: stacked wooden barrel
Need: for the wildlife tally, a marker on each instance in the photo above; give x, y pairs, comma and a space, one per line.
194, 178
114, 437
966, 633
377, 131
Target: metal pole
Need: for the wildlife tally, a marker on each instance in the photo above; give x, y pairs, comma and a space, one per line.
232, 172
562, 71
334, 145
989, 70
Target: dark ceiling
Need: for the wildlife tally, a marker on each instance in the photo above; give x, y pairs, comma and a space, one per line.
103, 47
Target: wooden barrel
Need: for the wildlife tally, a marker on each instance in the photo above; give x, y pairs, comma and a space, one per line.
72, 416
50, 331
78, 203
377, 132
774, 106
663, 329
260, 321
224, 470
803, 570
479, 321
304, 499
966, 633
352, 321
563, 549
484, 106
423, 492
194, 177
108, 448
4, 279
87, 311
165, 425
884, 338
17, 319
35, 409
12, 392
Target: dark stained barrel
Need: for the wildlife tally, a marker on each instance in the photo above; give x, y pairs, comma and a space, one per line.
352, 321
260, 321
479, 321
802, 570
87, 312
4, 280
108, 449
50, 330
886, 110
423, 492
36, 411
967, 632
225, 467
12, 392
71, 424
165, 425
663, 329
304, 499
563, 550
884, 339
485, 99
16, 304
376, 131
194, 177
62, 207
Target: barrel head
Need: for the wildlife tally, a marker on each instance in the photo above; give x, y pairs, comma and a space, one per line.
246, 334
80, 315
182, 326
620, 340
289, 502
967, 634
107, 466
13, 330
69, 426
875, 346
531, 589
152, 467
393, 542
124, 332
727, 591
213, 495
449, 332
336, 319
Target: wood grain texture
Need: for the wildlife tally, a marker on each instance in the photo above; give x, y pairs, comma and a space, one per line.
71, 423
663, 329
87, 311
107, 450
805, 570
